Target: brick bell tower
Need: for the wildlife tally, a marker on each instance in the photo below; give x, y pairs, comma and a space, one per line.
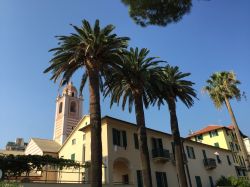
68, 113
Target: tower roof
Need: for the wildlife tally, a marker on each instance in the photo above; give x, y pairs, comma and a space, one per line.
69, 89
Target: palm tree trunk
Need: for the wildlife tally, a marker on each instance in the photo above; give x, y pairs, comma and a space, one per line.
179, 155
238, 135
95, 122
143, 145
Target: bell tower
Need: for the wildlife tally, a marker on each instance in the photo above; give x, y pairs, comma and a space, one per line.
68, 113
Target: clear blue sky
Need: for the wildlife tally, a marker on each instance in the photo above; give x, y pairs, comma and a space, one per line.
215, 36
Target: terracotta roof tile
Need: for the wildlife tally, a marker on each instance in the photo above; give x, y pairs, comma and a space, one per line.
206, 129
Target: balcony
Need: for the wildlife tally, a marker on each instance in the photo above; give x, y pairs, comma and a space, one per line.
160, 155
209, 163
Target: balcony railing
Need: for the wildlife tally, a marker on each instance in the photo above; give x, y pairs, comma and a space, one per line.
161, 155
209, 163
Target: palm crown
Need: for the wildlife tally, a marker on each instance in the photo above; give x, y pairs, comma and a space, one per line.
133, 76
222, 85
173, 86
93, 47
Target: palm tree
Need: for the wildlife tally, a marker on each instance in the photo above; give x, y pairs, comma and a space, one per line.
221, 87
172, 86
130, 82
91, 50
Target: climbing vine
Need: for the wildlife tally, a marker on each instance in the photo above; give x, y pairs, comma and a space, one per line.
13, 166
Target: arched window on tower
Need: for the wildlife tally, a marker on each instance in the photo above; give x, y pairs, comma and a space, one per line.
73, 106
73, 94
60, 107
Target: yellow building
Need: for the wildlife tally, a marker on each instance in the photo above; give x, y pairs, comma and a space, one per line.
121, 160
223, 137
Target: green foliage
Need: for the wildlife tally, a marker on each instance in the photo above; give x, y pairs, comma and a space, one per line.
172, 85
222, 85
232, 181
157, 12
16, 165
223, 181
133, 76
9, 184
91, 47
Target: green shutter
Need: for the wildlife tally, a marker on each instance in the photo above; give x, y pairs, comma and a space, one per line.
228, 160
136, 141
139, 178
154, 144
211, 181
165, 179
193, 152
124, 139
187, 147
204, 154
160, 145
198, 181
210, 134
158, 179
114, 136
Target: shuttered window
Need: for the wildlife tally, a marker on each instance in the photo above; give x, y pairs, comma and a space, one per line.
198, 181
136, 141
211, 181
139, 178
119, 138
190, 152
157, 143
228, 160
161, 179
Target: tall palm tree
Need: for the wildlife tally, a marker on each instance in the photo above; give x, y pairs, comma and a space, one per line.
222, 87
91, 50
172, 86
130, 82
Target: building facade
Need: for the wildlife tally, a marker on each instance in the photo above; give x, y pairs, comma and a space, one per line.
121, 158
223, 137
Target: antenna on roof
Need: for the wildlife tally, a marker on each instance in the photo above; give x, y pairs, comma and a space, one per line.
190, 132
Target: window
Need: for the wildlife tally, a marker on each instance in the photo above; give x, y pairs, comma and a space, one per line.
125, 179
213, 133
204, 154
218, 159
83, 153
73, 157
161, 179
84, 137
234, 158
136, 141
211, 181
200, 137
139, 178
60, 107
119, 138
73, 94
216, 144
73, 106
190, 152
228, 160
198, 181
73, 141
157, 143
243, 161
231, 146
237, 147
